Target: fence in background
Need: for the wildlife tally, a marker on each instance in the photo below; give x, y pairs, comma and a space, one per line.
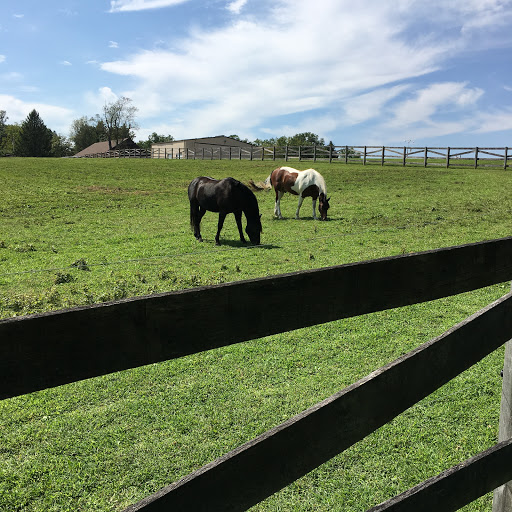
51, 349
121, 153
380, 155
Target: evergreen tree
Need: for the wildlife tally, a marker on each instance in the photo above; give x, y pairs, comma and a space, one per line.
35, 139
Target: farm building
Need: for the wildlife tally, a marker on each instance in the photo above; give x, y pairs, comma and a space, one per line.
204, 147
102, 147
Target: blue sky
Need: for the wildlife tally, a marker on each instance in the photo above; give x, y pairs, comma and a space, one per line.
371, 72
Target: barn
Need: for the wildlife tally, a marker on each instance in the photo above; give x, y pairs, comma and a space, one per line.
216, 147
99, 148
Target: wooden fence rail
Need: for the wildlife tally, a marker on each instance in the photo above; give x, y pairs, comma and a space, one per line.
41, 351
381, 155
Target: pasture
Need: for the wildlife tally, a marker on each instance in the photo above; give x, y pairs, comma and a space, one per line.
85, 231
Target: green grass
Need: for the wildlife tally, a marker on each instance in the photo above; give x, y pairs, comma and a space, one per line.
76, 232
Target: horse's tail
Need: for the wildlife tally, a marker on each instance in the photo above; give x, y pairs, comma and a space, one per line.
260, 185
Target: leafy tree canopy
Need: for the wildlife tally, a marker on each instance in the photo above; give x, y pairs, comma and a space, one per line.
119, 119
3, 119
154, 138
299, 139
86, 131
10, 138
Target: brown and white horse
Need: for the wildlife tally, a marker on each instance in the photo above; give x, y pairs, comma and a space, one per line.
308, 183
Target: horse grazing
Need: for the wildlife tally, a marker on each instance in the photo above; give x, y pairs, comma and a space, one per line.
224, 196
308, 183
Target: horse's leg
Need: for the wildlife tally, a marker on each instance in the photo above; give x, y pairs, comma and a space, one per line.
277, 207
238, 218
195, 219
222, 216
314, 209
298, 207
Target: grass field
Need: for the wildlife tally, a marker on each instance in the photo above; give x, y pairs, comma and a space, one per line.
79, 232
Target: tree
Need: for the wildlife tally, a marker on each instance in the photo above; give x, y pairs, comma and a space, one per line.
85, 132
299, 139
154, 138
119, 118
236, 137
61, 146
3, 119
9, 141
35, 139
306, 139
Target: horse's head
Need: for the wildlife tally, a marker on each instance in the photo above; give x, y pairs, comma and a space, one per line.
323, 206
254, 229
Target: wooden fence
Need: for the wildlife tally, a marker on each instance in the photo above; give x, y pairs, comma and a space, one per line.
45, 350
121, 153
380, 155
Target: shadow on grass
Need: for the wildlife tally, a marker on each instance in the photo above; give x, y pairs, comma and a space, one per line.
240, 245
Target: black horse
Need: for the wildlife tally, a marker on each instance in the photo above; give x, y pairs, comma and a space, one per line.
224, 196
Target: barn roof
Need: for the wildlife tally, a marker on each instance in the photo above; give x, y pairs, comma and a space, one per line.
207, 140
102, 147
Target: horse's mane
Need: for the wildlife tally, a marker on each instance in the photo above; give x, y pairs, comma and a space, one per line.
248, 196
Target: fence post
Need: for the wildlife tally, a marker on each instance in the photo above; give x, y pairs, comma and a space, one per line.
383, 152
314, 153
286, 153
330, 153
476, 158
274, 153
505, 159
346, 154
425, 158
447, 157
364, 156
502, 498
299, 153
405, 153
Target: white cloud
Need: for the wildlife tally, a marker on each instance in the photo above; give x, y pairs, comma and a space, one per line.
18, 16
141, 5
430, 100
66, 63
97, 100
367, 106
343, 64
494, 121
236, 6
435, 111
54, 117
265, 68
2, 58
113, 44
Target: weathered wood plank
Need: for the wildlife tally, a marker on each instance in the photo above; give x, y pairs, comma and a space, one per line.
502, 499
457, 486
46, 350
254, 471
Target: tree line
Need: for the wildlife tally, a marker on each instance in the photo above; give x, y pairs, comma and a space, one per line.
116, 123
